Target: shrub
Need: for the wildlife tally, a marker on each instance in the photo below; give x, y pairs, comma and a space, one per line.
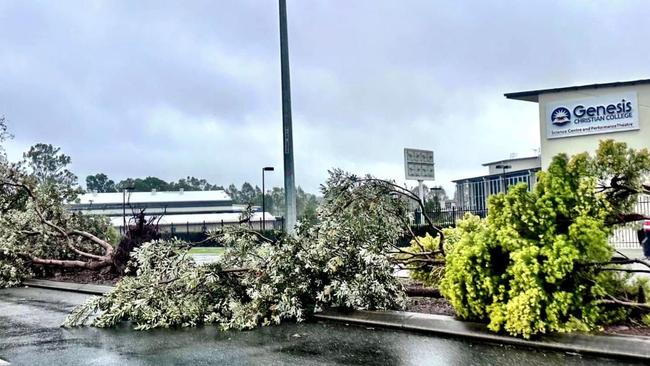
532, 266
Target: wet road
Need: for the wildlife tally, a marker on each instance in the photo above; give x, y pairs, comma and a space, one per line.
30, 334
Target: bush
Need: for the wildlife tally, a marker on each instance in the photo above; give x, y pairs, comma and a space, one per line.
530, 267
13, 268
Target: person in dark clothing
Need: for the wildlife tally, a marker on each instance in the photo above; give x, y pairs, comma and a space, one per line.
644, 239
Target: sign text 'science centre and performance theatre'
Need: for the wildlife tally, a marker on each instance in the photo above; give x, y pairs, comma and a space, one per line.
592, 115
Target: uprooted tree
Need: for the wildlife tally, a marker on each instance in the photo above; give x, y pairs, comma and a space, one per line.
38, 232
541, 260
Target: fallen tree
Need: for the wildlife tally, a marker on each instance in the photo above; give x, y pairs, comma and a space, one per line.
43, 233
347, 259
37, 232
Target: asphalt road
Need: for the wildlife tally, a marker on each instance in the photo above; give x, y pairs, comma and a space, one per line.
30, 334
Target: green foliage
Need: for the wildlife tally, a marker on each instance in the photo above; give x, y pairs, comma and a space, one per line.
47, 165
34, 222
247, 194
527, 268
340, 261
13, 268
189, 295
100, 183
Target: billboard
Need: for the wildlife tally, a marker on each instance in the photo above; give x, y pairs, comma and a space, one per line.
593, 115
418, 164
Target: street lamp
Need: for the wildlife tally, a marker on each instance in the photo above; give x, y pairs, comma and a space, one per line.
503, 175
129, 188
265, 169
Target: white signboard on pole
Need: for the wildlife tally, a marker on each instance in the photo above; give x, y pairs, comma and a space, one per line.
418, 164
593, 115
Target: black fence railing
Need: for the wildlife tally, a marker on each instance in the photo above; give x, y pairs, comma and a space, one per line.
624, 237
198, 232
446, 217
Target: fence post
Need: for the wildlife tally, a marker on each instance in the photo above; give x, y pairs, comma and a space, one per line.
453, 216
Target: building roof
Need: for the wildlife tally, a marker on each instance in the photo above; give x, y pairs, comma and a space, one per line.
499, 175
533, 95
511, 159
211, 218
151, 197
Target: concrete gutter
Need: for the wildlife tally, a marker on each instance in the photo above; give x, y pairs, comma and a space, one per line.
602, 345
69, 286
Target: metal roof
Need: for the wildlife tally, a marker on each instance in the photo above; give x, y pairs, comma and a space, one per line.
151, 197
511, 159
194, 219
498, 175
533, 95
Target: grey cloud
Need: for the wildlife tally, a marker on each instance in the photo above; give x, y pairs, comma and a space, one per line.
172, 88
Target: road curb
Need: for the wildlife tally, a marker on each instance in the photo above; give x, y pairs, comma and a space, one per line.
69, 286
631, 347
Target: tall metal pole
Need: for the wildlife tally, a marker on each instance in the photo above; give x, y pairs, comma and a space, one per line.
263, 203
287, 133
124, 210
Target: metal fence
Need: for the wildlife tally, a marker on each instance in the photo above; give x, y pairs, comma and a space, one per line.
445, 218
198, 233
624, 237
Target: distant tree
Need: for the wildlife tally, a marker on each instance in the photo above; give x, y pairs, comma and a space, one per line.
151, 183
144, 185
275, 201
307, 204
193, 184
248, 194
100, 183
234, 194
49, 165
123, 184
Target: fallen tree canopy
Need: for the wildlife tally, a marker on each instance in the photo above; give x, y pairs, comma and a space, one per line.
347, 259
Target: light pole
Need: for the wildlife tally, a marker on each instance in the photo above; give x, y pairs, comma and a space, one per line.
124, 207
503, 175
287, 129
265, 169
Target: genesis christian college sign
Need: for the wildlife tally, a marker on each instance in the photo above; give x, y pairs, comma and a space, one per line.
598, 114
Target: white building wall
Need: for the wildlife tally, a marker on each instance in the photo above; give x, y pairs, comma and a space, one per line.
577, 144
518, 164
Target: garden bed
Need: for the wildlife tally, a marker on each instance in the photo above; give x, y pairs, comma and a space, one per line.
105, 278
441, 306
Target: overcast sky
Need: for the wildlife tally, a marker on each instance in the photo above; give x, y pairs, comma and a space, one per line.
170, 89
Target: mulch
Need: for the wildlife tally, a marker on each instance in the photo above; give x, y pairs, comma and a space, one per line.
105, 278
441, 306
